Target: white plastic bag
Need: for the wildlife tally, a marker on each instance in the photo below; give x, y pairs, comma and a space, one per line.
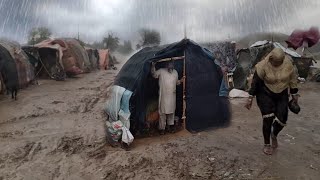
127, 137
236, 93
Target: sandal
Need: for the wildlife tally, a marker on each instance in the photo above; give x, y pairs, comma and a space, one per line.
274, 141
162, 132
267, 149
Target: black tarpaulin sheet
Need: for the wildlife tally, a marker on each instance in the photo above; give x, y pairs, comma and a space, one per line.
205, 109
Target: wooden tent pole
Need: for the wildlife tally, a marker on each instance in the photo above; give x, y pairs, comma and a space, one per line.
170, 59
184, 92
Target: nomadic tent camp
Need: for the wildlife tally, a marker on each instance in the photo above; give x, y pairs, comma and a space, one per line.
247, 58
24, 69
60, 57
134, 87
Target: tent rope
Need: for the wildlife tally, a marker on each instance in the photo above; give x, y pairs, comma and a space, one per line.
45, 68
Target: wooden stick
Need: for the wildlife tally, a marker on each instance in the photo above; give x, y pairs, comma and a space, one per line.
171, 59
184, 92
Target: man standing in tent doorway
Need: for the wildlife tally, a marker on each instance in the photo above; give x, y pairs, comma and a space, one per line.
168, 80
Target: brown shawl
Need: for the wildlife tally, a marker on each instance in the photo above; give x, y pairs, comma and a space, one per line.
277, 79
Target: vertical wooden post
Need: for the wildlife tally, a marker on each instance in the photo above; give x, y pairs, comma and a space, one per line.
184, 92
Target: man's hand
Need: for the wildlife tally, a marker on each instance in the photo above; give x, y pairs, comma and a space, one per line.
182, 80
249, 103
295, 97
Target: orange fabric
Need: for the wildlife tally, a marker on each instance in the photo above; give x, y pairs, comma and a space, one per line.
103, 58
154, 116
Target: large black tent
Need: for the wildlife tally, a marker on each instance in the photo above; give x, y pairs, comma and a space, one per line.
204, 107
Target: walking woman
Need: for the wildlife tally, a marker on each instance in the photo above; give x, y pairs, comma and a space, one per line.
273, 78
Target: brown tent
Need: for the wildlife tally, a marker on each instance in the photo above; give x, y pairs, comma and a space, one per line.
60, 57
25, 70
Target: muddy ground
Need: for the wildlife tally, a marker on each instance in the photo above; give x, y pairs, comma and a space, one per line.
56, 131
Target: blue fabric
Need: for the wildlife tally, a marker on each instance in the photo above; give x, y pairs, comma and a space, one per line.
223, 91
124, 106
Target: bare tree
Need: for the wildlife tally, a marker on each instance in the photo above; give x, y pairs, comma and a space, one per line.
111, 42
149, 37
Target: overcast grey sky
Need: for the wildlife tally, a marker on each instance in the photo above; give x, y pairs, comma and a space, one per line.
206, 20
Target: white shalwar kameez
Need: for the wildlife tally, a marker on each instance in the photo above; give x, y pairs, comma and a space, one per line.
167, 95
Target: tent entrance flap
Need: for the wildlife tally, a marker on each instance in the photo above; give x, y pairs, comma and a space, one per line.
152, 94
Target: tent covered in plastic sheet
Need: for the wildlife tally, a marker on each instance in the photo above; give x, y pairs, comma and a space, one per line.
8, 70
60, 57
247, 58
135, 89
24, 69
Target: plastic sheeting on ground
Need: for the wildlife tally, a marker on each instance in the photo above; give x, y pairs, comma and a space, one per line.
236, 93
117, 107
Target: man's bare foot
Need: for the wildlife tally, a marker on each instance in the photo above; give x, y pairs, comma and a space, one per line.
162, 132
267, 149
274, 141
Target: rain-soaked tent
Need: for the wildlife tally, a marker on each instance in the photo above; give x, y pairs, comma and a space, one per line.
60, 57
247, 58
8, 70
134, 87
93, 55
227, 50
23, 68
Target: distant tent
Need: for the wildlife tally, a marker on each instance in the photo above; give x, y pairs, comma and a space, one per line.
227, 50
247, 58
104, 58
24, 69
93, 57
79, 53
60, 57
134, 87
